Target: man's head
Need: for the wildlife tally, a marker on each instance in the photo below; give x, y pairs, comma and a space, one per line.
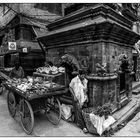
82, 74
17, 65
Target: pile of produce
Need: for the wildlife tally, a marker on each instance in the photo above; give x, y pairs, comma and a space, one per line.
50, 70
32, 86
104, 110
8, 69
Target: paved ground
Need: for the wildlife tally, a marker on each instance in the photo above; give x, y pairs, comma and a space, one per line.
8, 126
11, 127
131, 129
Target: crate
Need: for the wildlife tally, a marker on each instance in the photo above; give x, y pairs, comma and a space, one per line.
86, 115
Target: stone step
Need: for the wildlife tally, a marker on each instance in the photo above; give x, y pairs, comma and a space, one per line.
125, 113
136, 91
136, 88
135, 85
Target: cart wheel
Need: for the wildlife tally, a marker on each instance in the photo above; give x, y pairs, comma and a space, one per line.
11, 102
53, 113
27, 116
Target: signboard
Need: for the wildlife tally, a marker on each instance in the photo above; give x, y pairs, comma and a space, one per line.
25, 50
12, 46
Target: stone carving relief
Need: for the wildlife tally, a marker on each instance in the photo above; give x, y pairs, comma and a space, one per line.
124, 63
101, 69
84, 62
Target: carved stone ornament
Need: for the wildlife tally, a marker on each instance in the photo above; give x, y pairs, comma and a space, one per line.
124, 63
101, 69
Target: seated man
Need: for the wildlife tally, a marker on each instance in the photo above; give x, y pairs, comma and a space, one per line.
17, 71
78, 88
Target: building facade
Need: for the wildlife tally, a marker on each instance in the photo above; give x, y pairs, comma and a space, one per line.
21, 23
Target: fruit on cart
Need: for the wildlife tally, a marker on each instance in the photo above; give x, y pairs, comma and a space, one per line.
61, 69
50, 70
24, 80
44, 70
30, 79
38, 80
31, 86
8, 69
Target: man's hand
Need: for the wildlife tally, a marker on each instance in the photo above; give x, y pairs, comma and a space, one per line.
87, 100
75, 99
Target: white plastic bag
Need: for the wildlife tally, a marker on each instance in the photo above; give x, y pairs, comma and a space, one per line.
100, 123
97, 121
110, 120
66, 111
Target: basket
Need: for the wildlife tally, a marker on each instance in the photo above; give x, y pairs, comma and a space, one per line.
86, 115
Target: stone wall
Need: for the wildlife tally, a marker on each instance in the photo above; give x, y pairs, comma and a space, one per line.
111, 52
90, 54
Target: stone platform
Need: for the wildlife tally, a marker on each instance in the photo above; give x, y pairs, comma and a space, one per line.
127, 112
136, 87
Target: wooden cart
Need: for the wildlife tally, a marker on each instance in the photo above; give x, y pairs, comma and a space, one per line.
3, 77
26, 106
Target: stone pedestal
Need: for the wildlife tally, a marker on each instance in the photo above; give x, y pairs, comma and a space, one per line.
101, 90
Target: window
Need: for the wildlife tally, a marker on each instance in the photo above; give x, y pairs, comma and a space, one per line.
28, 34
9, 59
1, 40
122, 82
17, 33
14, 57
1, 61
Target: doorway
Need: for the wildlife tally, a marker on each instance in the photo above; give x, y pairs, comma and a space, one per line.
134, 67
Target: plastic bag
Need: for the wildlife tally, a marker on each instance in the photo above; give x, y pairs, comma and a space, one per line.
97, 121
110, 120
100, 123
66, 111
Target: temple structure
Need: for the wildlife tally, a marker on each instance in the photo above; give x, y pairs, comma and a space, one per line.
101, 38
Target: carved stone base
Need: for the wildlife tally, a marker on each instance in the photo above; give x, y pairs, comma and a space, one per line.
102, 90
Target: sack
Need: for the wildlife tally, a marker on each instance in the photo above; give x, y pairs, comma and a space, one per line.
66, 111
